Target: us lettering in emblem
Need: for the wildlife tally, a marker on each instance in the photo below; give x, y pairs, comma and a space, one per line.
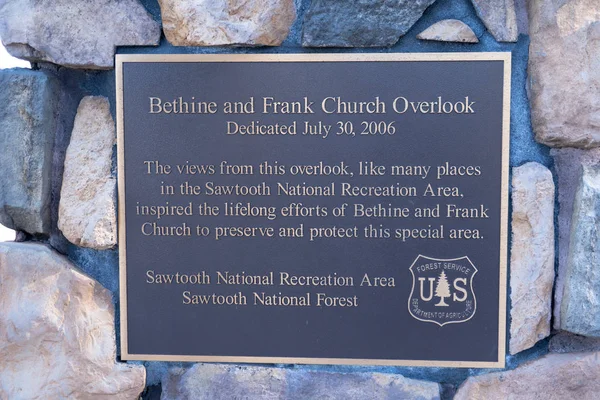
442, 290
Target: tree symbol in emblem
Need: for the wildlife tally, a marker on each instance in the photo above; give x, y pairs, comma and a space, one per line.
442, 289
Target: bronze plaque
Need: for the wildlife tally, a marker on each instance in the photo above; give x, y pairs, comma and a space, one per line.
318, 208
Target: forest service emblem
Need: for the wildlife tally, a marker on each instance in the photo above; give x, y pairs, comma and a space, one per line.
442, 290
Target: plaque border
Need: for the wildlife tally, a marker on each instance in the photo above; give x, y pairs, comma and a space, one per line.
506, 57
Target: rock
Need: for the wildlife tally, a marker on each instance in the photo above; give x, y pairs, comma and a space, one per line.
87, 209
27, 127
531, 255
206, 381
449, 30
220, 22
564, 72
553, 377
522, 17
565, 342
568, 165
359, 23
499, 17
359, 386
57, 334
579, 312
77, 34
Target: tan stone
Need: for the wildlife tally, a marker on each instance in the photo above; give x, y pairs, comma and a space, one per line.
87, 210
564, 72
57, 333
449, 30
220, 22
531, 255
553, 377
78, 34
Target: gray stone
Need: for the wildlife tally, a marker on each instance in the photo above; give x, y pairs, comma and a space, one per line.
531, 255
220, 22
568, 164
27, 128
564, 72
359, 386
359, 23
78, 34
87, 211
522, 17
579, 312
566, 342
552, 377
449, 30
206, 382
57, 333
499, 17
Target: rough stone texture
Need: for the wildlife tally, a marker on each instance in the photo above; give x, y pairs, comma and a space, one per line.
522, 17
87, 210
579, 311
565, 342
564, 72
531, 255
553, 377
449, 30
499, 17
57, 334
359, 386
360, 23
568, 164
27, 129
207, 382
220, 22
78, 34
216, 382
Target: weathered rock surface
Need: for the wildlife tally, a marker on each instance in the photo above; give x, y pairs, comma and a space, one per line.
359, 386
57, 334
522, 17
206, 382
531, 255
553, 377
499, 17
565, 342
87, 210
359, 23
564, 72
78, 34
579, 311
449, 30
568, 163
27, 127
220, 22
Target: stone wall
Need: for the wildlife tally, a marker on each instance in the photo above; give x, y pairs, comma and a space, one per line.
59, 280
